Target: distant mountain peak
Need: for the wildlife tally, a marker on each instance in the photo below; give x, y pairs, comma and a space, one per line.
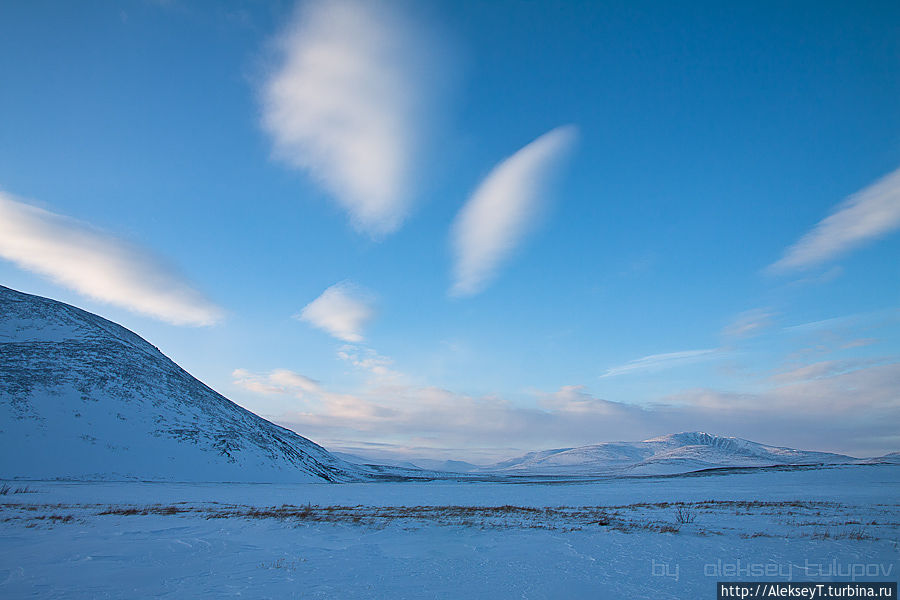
670, 453
688, 437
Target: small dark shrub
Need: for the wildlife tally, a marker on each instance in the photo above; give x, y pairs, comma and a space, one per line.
684, 515
8, 489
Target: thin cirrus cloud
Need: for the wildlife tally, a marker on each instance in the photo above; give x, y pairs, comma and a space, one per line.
504, 209
658, 362
347, 101
98, 265
343, 310
749, 323
865, 216
367, 359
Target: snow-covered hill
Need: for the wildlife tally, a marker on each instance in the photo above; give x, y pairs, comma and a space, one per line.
84, 398
674, 453
892, 458
425, 464
362, 460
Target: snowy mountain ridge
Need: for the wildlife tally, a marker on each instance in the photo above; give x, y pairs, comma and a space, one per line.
84, 398
673, 453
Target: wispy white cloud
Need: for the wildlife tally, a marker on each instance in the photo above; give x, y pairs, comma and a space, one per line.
869, 214
503, 209
98, 265
278, 381
369, 360
343, 310
749, 323
824, 391
854, 321
859, 343
657, 362
821, 369
818, 278
347, 103
575, 399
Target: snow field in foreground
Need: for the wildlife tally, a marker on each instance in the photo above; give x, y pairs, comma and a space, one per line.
449, 540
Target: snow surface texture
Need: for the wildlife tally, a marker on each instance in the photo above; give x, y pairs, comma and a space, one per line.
84, 398
618, 538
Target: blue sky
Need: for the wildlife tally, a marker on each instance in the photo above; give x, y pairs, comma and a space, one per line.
468, 228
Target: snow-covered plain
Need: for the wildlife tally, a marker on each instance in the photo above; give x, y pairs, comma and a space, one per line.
616, 537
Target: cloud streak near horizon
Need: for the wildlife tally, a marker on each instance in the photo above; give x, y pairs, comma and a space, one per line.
504, 209
809, 408
865, 216
347, 103
277, 381
98, 265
